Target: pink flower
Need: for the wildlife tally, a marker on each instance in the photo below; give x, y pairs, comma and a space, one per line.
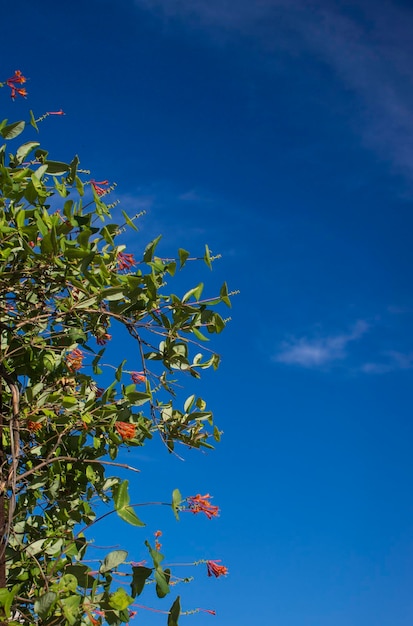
216, 570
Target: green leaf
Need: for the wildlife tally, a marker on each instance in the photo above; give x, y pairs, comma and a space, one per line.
43, 604
57, 168
12, 130
139, 575
33, 121
120, 600
112, 560
183, 255
156, 556
199, 335
118, 373
207, 257
71, 608
121, 495
162, 578
129, 221
24, 150
189, 403
128, 515
196, 292
121, 500
6, 599
150, 249
176, 501
174, 613
224, 295
113, 293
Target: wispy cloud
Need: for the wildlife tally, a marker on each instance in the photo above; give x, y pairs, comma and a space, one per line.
391, 361
369, 51
320, 351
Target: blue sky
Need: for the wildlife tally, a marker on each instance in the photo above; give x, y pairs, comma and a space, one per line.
280, 133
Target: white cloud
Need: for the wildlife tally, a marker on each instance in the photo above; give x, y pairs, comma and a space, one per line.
319, 352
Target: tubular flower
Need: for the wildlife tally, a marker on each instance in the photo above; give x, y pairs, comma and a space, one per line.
125, 261
16, 79
201, 504
34, 427
126, 430
103, 339
138, 377
61, 112
74, 360
216, 570
100, 191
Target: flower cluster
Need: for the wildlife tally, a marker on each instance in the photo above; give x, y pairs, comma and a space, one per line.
17, 79
126, 430
125, 261
201, 504
74, 360
216, 570
100, 191
34, 427
138, 377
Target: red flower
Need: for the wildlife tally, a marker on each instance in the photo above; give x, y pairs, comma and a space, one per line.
200, 504
16, 79
138, 377
103, 339
61, 112
126, 430
75, 360
216, 570
210, 611
100, 191
125, 261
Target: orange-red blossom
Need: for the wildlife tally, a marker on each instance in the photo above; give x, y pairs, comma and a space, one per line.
125, 261
216, 570
100, 191
126, 430
34, 426
158, 545
201, 504
74, 360
16, 79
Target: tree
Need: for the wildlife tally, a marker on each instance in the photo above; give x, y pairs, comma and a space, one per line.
67, 283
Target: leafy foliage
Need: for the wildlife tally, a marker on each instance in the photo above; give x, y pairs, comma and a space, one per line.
66, 285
